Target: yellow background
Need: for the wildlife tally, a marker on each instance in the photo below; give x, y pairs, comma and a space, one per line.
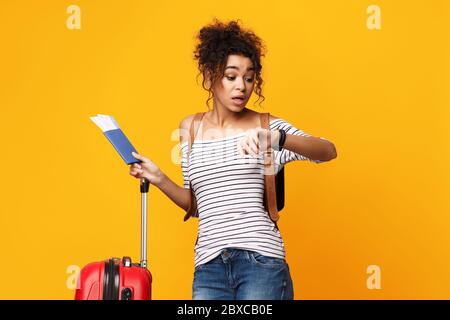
382, 96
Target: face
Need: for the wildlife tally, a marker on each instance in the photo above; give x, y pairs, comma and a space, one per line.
234, 89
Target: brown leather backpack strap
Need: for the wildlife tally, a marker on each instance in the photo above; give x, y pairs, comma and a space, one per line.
192, 206
269, 173
195, 124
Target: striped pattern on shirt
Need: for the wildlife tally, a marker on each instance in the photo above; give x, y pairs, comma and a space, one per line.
229, 189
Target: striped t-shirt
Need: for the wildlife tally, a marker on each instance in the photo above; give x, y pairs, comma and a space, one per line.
229, 190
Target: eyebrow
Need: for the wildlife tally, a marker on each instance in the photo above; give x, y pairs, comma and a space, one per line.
234, 67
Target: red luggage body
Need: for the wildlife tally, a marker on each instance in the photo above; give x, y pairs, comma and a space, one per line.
119, 279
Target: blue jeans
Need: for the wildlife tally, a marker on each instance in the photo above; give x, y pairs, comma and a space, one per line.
242, 275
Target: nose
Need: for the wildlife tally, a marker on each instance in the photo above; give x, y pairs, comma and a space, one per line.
240, 85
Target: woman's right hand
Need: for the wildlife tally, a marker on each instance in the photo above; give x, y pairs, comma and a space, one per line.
146, 169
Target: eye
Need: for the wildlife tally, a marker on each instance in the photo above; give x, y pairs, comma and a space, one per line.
231, 78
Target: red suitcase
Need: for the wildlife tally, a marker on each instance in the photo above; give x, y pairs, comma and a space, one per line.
119, 279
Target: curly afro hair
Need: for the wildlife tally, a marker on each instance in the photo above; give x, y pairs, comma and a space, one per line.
218, 40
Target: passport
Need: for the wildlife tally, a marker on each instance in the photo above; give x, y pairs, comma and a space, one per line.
116, 137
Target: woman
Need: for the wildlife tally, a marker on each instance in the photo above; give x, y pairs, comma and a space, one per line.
239, 253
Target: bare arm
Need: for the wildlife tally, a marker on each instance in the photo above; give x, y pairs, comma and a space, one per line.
147, 169
180, 196
311, 147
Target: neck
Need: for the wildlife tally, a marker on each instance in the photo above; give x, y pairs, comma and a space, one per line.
222, 117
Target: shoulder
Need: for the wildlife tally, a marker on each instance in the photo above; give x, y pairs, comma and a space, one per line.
273, 118
274, 121
279, 123
186, 121
185, 124
273, 124
258, 114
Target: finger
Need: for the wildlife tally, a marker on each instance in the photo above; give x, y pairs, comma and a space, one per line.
140, 157
246, 149
255, 138
243, 152
253, 143
137, 156
133, 173
253, 148
263, 139
240, 147
136, 171
139, 174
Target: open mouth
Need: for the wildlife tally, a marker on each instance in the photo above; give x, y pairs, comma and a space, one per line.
238, 101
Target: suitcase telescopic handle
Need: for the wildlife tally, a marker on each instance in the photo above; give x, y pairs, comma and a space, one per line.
144, 186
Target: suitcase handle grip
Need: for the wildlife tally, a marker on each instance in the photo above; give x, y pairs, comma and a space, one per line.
145, 184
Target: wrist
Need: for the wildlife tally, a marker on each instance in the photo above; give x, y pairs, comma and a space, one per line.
274, 139
162, 180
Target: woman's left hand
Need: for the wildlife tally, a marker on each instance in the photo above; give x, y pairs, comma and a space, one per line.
255, 141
